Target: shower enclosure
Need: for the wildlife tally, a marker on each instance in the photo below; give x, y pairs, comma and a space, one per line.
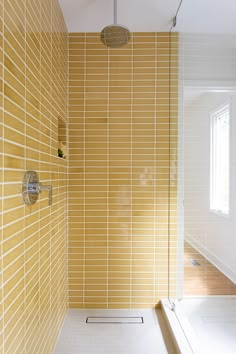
205, 283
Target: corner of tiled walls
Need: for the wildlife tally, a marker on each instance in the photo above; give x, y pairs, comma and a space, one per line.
33, 70
122, 152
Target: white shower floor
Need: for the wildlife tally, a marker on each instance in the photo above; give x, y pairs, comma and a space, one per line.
212, 321
77, 337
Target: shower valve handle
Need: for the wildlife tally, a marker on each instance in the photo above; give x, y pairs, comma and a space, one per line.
31, 188
46, 188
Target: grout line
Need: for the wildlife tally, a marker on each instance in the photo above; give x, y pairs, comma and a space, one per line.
3, 178
50, 171
108, 173
131, 172
84, 167
155, 174
67, 176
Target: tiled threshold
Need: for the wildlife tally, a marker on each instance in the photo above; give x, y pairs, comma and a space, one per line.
209, 323
184, 339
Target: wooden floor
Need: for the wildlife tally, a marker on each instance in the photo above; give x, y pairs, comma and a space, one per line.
204, 279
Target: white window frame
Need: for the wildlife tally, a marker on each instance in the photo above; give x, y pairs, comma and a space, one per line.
216, 165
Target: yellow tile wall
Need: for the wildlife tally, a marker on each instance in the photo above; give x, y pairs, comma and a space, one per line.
33, 80
122, 150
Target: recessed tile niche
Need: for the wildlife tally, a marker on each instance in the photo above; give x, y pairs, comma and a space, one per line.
62, 139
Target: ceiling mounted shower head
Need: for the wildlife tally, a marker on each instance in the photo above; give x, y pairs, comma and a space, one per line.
115, 36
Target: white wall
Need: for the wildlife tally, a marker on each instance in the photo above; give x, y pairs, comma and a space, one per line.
213, 234
209, 57
208, 60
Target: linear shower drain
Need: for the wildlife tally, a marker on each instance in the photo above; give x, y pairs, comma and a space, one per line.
128, 320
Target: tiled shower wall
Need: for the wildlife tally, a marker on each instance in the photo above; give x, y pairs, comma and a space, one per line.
122, 152
33, 71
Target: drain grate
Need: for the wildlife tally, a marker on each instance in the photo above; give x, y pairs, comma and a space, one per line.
109, 320
194, 262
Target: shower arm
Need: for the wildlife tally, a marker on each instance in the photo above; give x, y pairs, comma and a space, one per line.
115, 12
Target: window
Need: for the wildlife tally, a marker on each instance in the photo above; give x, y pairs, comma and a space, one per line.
220, 160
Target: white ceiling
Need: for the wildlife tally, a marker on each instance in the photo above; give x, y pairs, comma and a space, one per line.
196, 16
137, 15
